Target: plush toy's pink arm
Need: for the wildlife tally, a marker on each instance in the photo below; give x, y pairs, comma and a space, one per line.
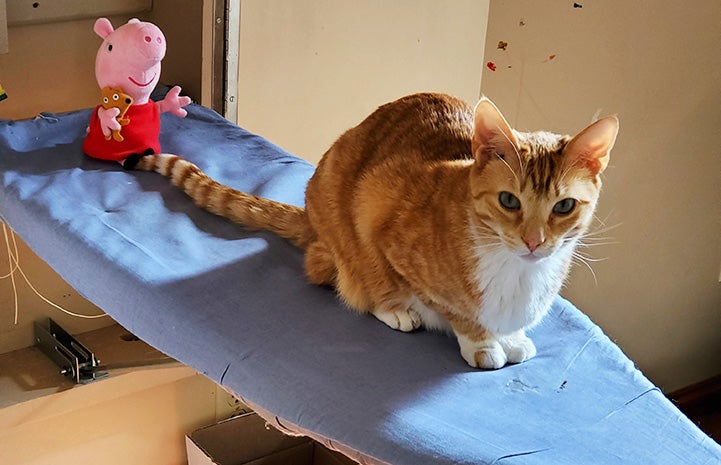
107, 120
174, 103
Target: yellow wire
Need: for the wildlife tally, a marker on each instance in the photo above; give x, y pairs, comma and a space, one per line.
14, 259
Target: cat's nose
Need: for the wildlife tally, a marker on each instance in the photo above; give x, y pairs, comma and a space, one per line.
533, 241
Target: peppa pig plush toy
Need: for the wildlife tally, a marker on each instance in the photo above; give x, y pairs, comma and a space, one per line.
126, 126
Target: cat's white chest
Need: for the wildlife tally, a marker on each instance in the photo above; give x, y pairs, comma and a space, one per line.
516, 293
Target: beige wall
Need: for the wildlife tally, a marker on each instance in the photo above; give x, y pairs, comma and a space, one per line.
138, 418
183, 23
658, 65
310, 69
51, 67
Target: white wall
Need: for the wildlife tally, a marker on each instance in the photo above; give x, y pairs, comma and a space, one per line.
310, 69
658, 65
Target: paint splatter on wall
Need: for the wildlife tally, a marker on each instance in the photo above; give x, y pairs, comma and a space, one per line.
507, 58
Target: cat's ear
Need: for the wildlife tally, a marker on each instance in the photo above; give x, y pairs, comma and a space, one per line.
492, 136
593, 145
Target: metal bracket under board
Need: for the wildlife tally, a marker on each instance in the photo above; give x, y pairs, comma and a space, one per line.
74, 359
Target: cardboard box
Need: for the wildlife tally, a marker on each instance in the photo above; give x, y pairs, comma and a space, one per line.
245, 440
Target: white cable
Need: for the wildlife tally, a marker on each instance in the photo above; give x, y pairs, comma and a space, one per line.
11, 274
14, 259
7, 243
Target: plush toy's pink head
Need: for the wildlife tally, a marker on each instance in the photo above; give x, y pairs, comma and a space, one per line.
129, 57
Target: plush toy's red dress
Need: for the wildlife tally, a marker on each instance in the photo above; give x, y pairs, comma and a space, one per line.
140, 135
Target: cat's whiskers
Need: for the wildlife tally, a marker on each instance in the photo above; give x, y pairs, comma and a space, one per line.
597, 237
603, 229
588, 258
602, 222
579, 258
515, 150
589, 239
596, 241
509, 167
485, 239
570, 167
488, 245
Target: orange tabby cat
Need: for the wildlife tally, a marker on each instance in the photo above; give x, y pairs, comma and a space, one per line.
429, 213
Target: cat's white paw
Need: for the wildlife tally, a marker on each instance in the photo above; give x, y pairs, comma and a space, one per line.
489, 358
518, 348
403, 320
486, 354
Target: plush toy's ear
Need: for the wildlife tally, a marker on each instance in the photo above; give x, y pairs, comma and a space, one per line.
593, 145
492, 135
103, 27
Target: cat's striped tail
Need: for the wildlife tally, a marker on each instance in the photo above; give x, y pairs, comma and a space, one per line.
256, 213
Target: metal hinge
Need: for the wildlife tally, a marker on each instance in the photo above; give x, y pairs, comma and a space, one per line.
75, 360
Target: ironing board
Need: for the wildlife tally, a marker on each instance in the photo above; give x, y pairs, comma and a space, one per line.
235, 306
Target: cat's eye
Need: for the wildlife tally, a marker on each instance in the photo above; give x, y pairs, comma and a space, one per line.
564, 207
509, 201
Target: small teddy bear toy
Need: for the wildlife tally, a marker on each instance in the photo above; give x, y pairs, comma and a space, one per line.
115, 98
127, 65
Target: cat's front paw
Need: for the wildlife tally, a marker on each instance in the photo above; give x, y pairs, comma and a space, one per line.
403, 320
518, 347
487, 354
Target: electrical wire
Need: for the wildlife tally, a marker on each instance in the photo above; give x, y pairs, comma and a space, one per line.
11, 274
14, 262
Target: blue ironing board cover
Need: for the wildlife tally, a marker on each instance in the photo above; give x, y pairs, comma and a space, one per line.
235, 306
